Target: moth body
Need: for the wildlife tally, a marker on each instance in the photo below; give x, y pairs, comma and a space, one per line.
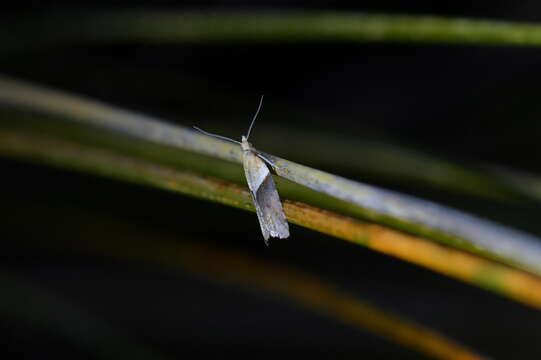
262, 188
264, 194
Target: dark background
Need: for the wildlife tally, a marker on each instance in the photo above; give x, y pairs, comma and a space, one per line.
467, 104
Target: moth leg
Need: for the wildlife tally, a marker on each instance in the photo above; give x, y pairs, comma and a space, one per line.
269, 162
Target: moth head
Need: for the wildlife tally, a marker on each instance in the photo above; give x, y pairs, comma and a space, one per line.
244, 144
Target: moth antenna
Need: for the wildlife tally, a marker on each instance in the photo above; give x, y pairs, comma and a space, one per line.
255, 117
215, 135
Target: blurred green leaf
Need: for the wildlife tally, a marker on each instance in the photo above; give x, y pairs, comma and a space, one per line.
155, 26
148, 151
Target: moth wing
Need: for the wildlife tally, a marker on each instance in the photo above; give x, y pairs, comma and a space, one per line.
265, 196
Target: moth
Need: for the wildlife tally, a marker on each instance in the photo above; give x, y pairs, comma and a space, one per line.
261, 184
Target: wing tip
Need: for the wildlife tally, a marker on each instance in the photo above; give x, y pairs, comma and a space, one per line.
274, 235
279, 235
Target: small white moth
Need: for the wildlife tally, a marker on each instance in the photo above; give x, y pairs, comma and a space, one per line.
258, 176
